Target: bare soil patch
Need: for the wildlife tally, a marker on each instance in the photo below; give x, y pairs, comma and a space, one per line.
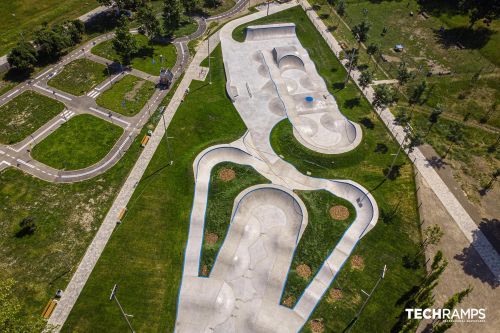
204, 270
211, 238
226, 174
132, 93
289, 301
339, 212
317, 325
304, 271
357, 263
334, 295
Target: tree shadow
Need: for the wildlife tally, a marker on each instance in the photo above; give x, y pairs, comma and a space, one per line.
367, 122
102, 22
491, 229
473, 264
324, 16
338, 85
437, 162
381, 148
332, 28
463, 36
352, 102
393, 173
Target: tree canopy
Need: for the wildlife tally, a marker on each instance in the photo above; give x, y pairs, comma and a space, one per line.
23, 57
124, 43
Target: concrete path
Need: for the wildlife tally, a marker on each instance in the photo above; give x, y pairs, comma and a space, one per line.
243, 291
449, 201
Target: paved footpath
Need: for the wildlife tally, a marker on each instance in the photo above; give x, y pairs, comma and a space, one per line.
450, 202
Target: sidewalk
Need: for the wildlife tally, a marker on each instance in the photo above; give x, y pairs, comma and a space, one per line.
470, 230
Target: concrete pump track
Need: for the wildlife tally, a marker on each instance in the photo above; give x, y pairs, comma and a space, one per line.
270, 77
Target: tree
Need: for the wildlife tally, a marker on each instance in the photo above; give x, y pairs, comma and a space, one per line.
384, 96
190, 5
404, 74
23, 57
171, 15
149, 23
371, 49
433, 235
439, 325
51, 42
494, 176
434, 117
124, 43
365, 79
28, 227
455, 135
12, 319
122, 4
402, 117
341, 8
418, 92
479, 9
213, 3
75, 30
360, 31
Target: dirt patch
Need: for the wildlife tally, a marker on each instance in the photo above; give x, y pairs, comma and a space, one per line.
388, 58
357, 263
211, 238
289, 301
334, 295
317, 325
304, 271
339, 212
132, 93
226, 174
204, 270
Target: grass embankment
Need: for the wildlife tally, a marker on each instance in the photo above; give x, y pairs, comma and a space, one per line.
318, 241
221, 197
78, 143
387, 243
24, 114
79, 77
145, 254
146, 59
127, 96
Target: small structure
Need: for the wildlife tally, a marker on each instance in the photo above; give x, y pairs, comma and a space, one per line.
166, 77
399, 48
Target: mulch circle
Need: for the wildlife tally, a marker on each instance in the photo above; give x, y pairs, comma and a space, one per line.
226, 174
204, 270
317, 325
357, 262
339, 212
304, 271
211, 238
334, 295
289, 301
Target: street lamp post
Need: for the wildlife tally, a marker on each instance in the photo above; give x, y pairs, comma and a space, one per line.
169, 152
268, 2
209, 68
353, 52
113, 296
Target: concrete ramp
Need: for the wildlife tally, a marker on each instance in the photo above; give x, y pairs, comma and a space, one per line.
269, 31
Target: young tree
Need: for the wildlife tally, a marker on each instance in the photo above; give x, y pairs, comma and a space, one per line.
418, 92
403, 117
371, 49
23, 57
124, 43
432, 236
341, 8
171, 15
190, 5
28, 226
455, 135
434, 118
439, 325
360, 31
149, 23
404, 74
365, 79
384, 96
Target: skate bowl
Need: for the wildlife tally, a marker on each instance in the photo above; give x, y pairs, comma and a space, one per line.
262, 32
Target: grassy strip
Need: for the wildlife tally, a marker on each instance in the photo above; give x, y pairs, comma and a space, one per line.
79, 77
387, 243
146, 59
220, 205
127, 96
24, 114
145, 253
80, 142
318, 241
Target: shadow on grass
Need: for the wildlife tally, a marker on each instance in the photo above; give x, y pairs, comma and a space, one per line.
463, 36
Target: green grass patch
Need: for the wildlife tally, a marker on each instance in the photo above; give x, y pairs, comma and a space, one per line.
127, 96
79, 77
80, 142
148, 57
24, 114
221, 197
319, 239
145, 253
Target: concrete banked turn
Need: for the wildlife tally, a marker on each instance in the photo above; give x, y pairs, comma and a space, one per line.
244, 288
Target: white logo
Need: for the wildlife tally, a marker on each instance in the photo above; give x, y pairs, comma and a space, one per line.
470, 315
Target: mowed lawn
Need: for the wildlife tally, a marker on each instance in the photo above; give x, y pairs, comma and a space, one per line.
145, 253
24, 114
78, 143
127, 96
147, 58
25, 16
79, 77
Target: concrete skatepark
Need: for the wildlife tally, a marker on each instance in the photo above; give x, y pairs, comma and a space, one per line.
269, 78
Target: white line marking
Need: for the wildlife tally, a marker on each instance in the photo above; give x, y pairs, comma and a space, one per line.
39, 76
26, 163
65, 97
44, 89
112, 117
5, 162
38, 135
108, 82
12, 93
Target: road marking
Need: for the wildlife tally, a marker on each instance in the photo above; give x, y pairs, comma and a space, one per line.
25, 163
12, 93
109, 81
39, 76
93, 93
38, 135
65, 97
43, 88
112, 117
5, 162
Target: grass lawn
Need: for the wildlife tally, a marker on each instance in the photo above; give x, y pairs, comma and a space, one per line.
24, 114
79, 77
143, 59
224, 6
387, 243
221, 197
145, 254
318, 241
25, 16
80, 142
130, 89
